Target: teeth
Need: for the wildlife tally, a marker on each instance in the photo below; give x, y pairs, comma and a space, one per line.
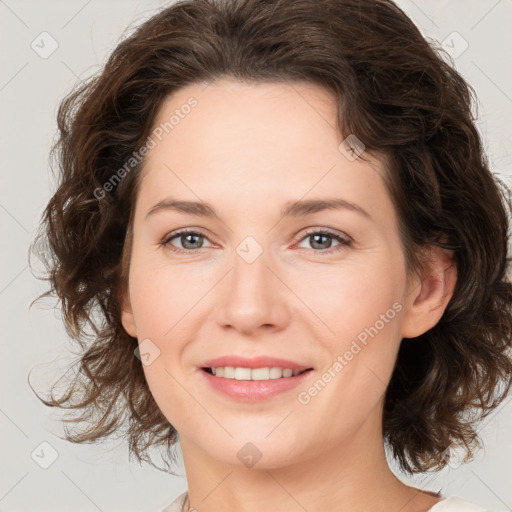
240, 373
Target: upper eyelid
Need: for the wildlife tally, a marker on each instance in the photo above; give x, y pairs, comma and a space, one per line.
184, 231
329, 231
298, 238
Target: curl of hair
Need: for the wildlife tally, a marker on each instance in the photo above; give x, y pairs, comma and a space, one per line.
397, 94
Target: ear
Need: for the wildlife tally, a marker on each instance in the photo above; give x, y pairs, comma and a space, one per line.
127, 317
429, 293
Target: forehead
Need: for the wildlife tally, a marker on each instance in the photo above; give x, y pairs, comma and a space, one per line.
254, 142
248, 116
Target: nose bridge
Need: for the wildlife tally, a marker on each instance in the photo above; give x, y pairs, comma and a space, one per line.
250, 272
251, 278
253, 297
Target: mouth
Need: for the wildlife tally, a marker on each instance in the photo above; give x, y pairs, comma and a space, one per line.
253, 374
254, 385
253, 379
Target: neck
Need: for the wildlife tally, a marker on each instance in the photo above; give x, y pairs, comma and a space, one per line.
352, 476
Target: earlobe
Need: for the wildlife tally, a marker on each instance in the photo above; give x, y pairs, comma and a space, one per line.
429, 298
127, 317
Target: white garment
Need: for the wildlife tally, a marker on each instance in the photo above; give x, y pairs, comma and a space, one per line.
450, 504
455, 504
177, 504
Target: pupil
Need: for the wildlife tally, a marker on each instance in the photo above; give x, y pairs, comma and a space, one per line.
315, 242
184, 237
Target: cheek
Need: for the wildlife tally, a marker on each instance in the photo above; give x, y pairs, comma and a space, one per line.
161, 295
171, 397
363, 311
161, 298
349, 297
344, 299
360, 313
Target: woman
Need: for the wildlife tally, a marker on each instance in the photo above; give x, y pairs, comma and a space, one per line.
279, 220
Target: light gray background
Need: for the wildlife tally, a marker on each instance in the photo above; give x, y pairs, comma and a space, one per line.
99, 477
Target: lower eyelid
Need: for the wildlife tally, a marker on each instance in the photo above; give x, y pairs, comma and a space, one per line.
173, 236
342, 241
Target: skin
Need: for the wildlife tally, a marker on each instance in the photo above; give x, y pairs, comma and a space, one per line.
247, 149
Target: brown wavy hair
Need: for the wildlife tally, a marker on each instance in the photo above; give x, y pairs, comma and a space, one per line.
398, 93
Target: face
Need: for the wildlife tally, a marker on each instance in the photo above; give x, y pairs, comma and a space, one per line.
262, 277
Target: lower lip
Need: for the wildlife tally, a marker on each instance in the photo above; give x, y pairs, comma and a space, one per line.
254, 390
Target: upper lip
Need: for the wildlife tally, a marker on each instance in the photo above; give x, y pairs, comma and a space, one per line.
253, 362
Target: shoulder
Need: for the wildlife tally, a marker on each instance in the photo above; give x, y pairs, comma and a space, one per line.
177, 504
456, 504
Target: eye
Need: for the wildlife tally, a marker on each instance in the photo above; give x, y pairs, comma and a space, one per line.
191, 241
321, 241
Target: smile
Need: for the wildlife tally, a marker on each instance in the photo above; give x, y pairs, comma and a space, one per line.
239, 384
242, 373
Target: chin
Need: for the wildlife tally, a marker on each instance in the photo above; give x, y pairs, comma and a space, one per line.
258, 450
251, 456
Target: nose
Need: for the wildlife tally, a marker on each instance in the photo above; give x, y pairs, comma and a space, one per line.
253, 297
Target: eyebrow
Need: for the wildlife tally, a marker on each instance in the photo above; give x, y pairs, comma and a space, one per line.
291, 208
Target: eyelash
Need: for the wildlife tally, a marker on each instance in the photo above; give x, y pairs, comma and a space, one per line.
344, 242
